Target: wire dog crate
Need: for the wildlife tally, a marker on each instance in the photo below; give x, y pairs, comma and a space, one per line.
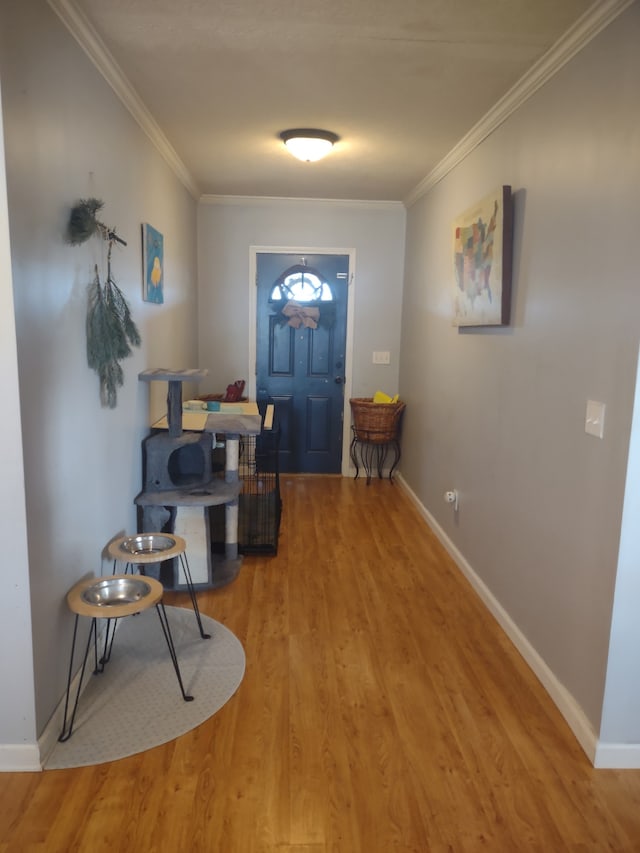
259, 502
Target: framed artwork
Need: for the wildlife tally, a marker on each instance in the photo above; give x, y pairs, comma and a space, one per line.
482, 256
152, 265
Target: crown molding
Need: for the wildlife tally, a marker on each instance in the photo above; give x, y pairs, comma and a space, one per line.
260, 201
91, 43
578, 36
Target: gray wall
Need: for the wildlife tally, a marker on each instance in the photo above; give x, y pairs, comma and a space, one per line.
17, 719
499, 414
67, 136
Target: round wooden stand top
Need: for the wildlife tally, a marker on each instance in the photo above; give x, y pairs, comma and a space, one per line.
79, 605
118, 551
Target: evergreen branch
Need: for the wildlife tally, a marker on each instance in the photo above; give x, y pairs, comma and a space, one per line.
109, 326
82, 222
110, 329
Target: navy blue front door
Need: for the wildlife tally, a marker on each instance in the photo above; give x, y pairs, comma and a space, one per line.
301, 335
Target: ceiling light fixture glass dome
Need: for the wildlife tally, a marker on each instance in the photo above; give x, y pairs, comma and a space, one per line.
308, 144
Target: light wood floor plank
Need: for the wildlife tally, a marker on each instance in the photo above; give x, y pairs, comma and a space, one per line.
382, 709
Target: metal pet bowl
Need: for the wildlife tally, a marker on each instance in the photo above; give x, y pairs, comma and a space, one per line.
110, 591
148, 543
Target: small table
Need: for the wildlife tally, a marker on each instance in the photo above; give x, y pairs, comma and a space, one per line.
112, 598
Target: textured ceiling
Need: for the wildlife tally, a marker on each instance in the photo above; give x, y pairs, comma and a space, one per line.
400, 81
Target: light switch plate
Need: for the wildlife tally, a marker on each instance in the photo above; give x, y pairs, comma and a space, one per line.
594, 421
382, 358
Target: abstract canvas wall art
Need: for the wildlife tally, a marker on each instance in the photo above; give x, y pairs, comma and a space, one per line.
482, 258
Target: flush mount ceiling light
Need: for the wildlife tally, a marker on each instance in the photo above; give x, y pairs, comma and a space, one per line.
308, 144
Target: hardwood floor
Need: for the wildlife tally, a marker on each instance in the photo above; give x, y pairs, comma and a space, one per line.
382, 710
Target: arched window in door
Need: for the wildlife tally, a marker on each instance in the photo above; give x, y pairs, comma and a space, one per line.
301, 284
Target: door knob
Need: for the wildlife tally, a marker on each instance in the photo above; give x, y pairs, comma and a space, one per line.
338, 380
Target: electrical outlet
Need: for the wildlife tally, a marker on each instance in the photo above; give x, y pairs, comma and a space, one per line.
382, 358
451, 497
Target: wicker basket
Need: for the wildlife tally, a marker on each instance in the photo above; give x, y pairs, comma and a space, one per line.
376, 423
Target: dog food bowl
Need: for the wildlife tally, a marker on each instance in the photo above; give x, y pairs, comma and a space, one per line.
147, 543
117, 590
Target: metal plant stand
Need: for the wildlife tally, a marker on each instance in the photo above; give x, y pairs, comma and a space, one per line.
373, 455
376, 431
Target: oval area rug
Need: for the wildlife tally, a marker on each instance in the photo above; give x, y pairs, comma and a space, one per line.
136, 703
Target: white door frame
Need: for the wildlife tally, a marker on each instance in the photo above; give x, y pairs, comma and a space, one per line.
254, 251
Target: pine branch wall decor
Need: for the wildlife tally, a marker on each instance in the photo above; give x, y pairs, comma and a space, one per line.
111, 331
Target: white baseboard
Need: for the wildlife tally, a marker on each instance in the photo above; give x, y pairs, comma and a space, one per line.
617, 756
51, 733
16, 758
623, 756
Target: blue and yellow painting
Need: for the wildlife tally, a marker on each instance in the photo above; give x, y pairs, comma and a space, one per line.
153, 255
